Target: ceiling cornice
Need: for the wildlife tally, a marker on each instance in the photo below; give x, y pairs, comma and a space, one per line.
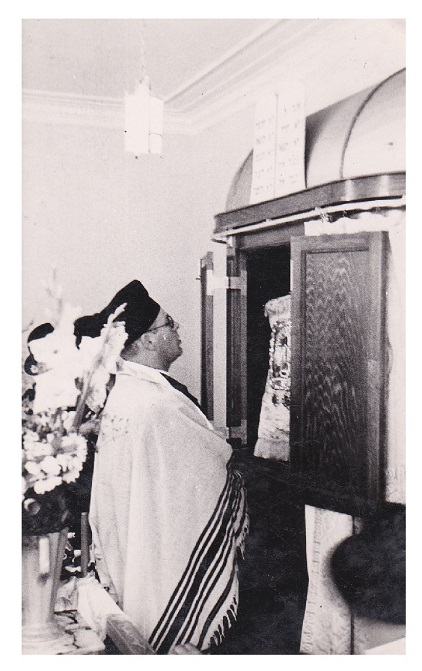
70, 109
309, 48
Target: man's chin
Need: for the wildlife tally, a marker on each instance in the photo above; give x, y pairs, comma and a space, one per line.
177, 354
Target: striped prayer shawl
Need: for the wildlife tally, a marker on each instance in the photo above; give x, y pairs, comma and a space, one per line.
205, 599
168, 513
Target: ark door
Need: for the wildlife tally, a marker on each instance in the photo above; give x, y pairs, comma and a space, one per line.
338, 375
255, 276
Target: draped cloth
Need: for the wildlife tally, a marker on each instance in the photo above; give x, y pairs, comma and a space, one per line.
168, 513
327, 625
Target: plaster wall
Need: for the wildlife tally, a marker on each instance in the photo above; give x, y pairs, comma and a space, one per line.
102, 218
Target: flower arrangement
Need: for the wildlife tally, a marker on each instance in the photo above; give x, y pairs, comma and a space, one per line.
70, 388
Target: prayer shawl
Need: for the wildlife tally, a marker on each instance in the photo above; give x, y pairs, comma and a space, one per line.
168, 513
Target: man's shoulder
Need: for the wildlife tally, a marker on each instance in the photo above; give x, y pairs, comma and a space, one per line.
132, 405
137, 388
130, 371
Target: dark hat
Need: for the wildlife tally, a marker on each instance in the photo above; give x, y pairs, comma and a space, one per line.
30, 365
140, 312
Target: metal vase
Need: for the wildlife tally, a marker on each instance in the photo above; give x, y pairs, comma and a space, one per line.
42, 558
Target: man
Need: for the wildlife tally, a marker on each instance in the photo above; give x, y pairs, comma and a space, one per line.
168, 513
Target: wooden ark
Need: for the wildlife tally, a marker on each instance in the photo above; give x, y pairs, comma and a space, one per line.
338, 285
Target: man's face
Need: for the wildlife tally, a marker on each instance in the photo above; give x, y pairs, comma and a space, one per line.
167, 337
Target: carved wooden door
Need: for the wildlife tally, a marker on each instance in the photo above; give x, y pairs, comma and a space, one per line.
338, 346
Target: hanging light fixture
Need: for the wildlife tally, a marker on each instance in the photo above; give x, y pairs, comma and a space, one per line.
143, 115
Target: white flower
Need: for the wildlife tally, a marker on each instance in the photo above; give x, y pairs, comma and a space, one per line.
77, 464
70, 476
97, 389
50, 465
44, 419
30, 437
33, 467
67, 418
67, 319
44, 349
115, 339
82, 449
59, 345
100, 357
47, 453
56, 389
89, 349
38, 449
42, 486
64, 460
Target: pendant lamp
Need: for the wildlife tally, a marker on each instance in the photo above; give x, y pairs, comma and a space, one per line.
143, 116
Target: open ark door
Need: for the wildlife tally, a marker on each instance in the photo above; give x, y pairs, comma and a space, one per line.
337, 422
256, 274
212, 288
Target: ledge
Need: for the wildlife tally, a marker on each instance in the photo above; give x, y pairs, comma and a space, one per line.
358, 189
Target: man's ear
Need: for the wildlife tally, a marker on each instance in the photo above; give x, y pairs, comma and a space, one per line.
148, 340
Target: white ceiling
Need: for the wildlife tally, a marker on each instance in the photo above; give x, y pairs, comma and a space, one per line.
77, 70
102, 57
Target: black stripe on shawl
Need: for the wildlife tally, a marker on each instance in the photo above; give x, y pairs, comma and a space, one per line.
230, 616
221, 541
226, 592
230, 542
216, 608
193, 570
220, 558
191, 567
185, 614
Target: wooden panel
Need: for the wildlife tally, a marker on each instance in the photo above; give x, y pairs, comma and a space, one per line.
272, 237
338, 315
344, 191
236, 348
207, 338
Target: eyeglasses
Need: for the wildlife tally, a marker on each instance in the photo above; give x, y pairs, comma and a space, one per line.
169, 322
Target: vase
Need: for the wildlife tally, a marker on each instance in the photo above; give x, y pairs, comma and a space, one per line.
42, 558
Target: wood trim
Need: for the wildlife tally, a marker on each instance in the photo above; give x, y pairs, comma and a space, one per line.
243, 349
233, 414
271, 237
372, 187
236, 381
207, 338
376, 364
